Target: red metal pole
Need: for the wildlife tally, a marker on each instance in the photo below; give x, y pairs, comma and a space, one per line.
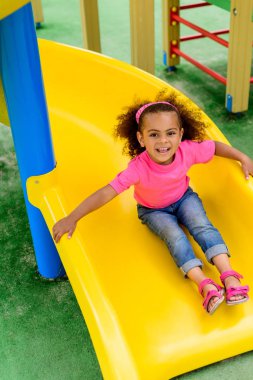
196, 36
191, 6
198, 29
204, 68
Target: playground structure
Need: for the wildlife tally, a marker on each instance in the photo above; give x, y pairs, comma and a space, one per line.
121, 274
142, 31
238, 77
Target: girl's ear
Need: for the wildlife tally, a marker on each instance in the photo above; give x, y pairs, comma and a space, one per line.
140, 139
181, 133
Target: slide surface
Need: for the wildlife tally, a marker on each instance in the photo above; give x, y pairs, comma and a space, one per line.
145, 320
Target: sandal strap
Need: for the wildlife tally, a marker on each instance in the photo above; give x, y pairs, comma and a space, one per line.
209, 296
237, 291
229, 273
208, 281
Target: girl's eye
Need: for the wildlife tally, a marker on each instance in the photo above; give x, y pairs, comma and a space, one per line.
153, 135
171, 133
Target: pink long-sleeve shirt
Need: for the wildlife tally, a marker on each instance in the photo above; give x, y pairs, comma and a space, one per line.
156, 185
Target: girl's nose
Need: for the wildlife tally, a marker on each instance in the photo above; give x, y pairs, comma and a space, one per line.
164, 138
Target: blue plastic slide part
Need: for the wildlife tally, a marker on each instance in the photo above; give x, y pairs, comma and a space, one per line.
20, 71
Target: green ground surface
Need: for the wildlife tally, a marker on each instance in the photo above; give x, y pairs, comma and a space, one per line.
43, 335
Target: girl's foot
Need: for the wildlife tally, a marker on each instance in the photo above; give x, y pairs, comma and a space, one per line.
213, 300
235, 293
212, 293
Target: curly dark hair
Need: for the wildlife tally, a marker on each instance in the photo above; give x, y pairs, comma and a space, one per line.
190, 118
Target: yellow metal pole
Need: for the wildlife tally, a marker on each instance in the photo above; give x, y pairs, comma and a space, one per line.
142, 34
37, 11
171, 32
239, 56
90, 24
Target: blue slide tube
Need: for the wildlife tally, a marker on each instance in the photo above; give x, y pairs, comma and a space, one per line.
20, 71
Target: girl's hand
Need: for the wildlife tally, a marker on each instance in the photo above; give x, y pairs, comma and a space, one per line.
247, 166
63, 226
67, 225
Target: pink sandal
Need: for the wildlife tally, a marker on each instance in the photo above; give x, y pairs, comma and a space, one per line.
212, 293
234, 291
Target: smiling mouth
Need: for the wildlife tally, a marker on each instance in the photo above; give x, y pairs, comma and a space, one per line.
162, 150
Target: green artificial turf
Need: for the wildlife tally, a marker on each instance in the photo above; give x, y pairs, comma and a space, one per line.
43, 334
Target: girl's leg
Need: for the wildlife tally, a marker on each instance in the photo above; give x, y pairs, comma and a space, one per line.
167, 228
192, 215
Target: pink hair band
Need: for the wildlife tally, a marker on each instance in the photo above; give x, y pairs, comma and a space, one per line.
140, 110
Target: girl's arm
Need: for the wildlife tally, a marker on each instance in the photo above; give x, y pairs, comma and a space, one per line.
228, 151
93, 202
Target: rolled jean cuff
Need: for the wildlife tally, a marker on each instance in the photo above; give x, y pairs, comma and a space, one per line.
190, 265
215, 251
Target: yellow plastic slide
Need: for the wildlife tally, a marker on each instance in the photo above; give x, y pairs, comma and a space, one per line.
145, 320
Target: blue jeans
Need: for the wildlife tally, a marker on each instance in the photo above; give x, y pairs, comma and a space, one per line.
189, 212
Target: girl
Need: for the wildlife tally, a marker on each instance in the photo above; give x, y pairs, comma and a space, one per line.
164, 141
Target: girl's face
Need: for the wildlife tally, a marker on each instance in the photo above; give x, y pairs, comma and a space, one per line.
160, 135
